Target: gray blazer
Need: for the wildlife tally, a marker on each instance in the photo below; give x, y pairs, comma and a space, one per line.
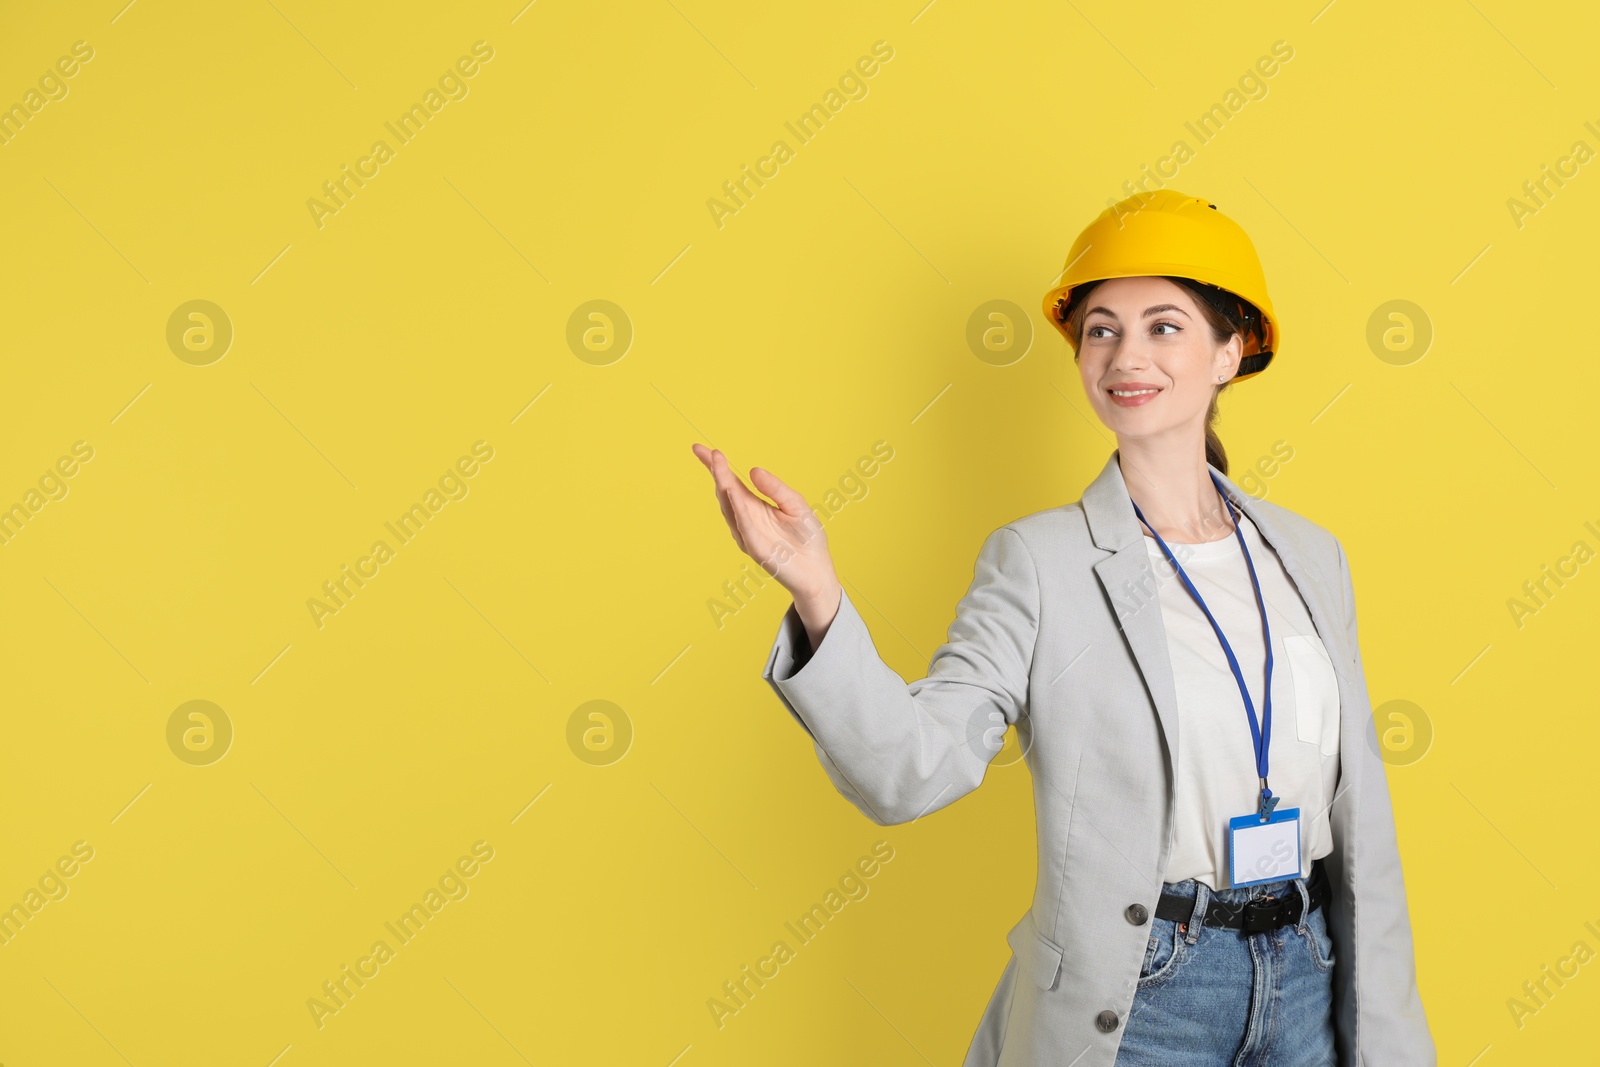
1060, 636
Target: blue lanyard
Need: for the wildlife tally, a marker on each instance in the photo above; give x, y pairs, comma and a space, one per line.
1260, 735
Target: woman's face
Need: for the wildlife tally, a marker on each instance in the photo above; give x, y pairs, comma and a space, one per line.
1147, 336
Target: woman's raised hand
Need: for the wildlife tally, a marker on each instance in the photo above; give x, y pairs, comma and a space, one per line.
787, 540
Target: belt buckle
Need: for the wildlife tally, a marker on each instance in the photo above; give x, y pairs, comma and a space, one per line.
1258, 916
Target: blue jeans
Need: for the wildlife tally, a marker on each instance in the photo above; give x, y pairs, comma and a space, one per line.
1210, 996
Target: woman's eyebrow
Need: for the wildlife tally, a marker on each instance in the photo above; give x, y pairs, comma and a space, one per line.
1156, 310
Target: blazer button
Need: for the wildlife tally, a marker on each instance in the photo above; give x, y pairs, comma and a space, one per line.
1106, 1021
1136, 914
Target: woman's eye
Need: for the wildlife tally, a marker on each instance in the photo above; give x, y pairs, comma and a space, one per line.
1093, 331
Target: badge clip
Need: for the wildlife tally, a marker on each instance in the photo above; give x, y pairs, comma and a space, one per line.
1268, 802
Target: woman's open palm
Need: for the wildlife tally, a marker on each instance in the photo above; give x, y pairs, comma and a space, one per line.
787, 540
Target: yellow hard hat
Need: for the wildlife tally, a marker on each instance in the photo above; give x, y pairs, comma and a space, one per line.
1168, 233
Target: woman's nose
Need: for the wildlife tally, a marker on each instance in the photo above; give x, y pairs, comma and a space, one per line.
1132, 353
1128, 359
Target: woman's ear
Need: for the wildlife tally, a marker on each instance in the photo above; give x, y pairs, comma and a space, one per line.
1229, 356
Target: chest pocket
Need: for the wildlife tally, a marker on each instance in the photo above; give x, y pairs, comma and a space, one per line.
1316, 692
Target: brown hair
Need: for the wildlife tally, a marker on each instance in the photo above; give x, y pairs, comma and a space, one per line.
1220, 314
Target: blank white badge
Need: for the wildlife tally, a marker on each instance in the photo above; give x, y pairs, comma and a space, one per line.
1264, 851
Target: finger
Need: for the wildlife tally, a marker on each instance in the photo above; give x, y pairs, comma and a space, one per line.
722, 486
747, 507
729, 517
729, 482
790, 501
740, 507
729, 513
708, 456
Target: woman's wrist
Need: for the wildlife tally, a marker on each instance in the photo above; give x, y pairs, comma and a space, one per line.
818, 610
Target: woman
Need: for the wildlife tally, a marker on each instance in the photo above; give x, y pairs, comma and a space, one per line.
1219, 880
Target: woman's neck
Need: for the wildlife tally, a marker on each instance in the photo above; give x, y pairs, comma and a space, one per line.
1173, 489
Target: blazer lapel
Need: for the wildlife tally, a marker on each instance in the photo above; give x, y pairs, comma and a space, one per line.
1130, 585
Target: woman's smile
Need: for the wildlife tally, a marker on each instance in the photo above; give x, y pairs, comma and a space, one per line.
1132, 394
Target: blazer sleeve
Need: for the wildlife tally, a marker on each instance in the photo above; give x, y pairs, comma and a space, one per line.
898, 751
1393, 1026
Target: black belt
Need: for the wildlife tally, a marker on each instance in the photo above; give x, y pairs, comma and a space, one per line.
1253, 916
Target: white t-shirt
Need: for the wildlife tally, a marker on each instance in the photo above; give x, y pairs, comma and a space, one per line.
1216, 773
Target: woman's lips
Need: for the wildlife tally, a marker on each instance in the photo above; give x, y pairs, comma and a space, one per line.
1144, 393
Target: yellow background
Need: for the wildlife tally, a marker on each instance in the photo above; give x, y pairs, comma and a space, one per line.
826, 315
